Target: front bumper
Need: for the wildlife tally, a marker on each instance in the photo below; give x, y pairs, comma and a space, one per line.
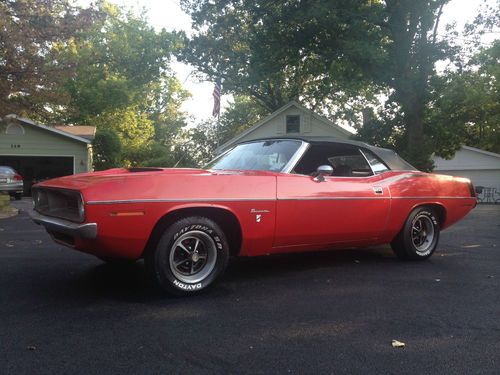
54, 226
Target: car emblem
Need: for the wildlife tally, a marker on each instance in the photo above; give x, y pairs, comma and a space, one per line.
258, 218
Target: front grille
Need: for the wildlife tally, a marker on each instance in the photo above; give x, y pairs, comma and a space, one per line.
60, 203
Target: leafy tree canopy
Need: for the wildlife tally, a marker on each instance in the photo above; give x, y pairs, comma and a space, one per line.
30, 71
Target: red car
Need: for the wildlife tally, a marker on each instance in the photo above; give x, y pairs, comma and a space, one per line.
261, 197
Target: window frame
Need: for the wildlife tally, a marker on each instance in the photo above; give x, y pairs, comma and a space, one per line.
378, 158
286, 124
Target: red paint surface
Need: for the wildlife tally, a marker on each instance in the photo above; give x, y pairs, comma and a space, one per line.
297, 212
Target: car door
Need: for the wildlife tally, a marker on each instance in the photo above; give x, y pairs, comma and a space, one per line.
347, 208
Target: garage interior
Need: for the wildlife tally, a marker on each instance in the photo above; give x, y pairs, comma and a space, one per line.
38, 168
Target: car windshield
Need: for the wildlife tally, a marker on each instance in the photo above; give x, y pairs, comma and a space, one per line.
271, 155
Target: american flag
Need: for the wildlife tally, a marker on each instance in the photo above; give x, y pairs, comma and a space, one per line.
216, 95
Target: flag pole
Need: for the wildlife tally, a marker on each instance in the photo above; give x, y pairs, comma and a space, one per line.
216, 110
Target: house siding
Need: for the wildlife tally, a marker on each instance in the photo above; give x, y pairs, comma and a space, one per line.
40, 142
483, 169
276, 126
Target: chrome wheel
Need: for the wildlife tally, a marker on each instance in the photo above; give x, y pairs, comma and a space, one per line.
422, 234
193, 256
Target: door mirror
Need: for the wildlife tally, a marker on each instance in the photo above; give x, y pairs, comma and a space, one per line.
322, 171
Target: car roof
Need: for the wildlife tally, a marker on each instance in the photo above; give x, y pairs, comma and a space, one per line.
389, 157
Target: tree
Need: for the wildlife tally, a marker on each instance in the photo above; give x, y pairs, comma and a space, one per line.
413, 50
273, 51
30, 71
465, 105
123, 83
107, 149
335, 56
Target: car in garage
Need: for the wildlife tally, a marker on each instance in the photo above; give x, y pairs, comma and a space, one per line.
11, 182
268, 196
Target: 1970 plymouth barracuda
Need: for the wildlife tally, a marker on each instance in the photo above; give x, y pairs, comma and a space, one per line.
261, 197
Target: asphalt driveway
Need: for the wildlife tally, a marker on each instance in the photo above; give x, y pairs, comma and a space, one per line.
66, 312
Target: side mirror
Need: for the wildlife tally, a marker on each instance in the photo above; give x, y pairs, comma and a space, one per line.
322, 171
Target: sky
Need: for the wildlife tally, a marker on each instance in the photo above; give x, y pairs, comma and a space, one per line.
169, 15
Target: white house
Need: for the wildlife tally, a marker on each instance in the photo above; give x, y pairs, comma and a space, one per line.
291, 119
482, 167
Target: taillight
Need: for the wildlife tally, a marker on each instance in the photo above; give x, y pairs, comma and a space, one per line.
18, 177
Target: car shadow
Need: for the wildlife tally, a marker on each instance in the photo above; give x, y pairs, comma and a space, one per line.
130, 281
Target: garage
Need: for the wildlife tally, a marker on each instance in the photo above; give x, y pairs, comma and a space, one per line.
39, 152
480, 166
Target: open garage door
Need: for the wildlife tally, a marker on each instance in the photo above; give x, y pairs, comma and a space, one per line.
38, 168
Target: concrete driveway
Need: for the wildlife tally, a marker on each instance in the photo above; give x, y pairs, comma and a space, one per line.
66, 312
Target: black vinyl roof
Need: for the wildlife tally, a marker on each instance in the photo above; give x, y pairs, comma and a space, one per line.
389, 157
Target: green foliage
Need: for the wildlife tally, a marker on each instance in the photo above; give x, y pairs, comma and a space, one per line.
107, 149
120, 62
30, 71
465, 106
333, 55
275, 52
123, 83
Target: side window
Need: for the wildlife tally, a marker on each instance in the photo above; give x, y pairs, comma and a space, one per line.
377, 165
346, 160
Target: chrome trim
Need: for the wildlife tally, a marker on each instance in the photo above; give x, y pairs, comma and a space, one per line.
444, 197
210, 200
367, 162
288, 166
183, 200
294, 160
87, 231
330, 198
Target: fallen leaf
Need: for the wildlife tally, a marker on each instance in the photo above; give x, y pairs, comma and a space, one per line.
9, 244
357, 261
38, 242
31, 347
470, 246
398, 344
438, 280
490, 276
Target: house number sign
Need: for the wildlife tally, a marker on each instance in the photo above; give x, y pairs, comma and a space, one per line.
15, 146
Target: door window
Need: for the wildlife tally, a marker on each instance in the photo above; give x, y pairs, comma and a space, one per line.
346, 160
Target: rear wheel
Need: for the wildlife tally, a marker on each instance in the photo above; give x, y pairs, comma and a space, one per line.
190, 255
419, 237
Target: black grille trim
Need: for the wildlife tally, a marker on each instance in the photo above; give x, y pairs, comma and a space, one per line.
60, 203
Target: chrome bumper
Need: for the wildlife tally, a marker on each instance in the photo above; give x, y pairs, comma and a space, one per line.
52, 224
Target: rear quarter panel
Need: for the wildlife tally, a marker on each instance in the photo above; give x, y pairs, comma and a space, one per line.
412, 189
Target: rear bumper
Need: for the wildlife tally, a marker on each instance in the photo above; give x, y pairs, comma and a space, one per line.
12, 187
54, 225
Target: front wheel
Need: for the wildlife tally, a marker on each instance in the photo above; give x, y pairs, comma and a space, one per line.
190, 255
419, 237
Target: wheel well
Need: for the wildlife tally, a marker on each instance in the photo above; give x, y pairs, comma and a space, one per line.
440, 212
224, 218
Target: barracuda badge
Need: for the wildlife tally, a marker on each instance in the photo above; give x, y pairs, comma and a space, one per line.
258, 214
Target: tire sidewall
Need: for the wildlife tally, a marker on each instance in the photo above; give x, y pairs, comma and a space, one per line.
409, 245
163, 272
